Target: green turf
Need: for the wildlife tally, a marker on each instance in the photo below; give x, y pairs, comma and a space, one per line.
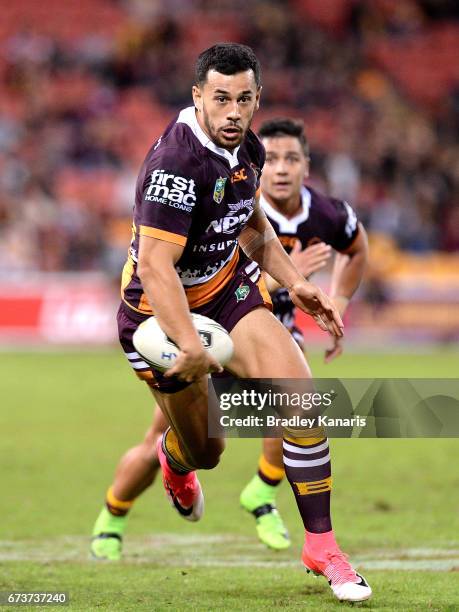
66, 418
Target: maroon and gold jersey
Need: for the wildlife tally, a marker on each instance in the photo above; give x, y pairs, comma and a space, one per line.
192, 193
320, 219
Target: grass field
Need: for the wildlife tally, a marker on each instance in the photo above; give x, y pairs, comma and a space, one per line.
65, 418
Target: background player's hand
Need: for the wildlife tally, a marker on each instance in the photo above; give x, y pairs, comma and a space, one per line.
312, 258
192, 364
335, 351
314, 302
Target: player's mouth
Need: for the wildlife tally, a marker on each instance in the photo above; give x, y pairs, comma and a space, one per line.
231, 132
282, 185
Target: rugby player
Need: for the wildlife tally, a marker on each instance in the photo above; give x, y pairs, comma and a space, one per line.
199, 234
309, 225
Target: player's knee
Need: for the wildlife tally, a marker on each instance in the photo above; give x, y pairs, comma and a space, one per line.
207, 455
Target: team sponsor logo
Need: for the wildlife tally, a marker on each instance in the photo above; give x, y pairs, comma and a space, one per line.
176, 191
242, 292
219, 189
231, 221
239, 175
235, 206
214, 246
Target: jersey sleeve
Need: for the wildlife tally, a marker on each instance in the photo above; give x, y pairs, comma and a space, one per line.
169, 195
346, 225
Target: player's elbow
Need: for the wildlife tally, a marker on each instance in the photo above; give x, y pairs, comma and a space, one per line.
148, 270
145, 270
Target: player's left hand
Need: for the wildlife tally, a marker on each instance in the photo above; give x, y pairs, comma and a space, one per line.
314, 302
335, 351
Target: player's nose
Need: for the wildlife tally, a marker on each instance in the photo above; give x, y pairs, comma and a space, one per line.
281, 167
234, 112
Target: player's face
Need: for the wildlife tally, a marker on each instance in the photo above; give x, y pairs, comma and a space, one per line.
226, 104
285, 168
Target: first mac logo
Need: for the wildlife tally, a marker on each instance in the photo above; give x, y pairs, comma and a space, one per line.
175, 191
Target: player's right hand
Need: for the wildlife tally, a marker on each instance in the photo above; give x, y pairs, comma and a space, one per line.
311, 300
312, 258
192, 364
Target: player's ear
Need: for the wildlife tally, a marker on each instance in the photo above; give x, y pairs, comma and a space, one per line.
197, 97
257, 98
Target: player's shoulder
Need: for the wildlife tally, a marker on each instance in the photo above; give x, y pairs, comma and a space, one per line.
326, 205
177, 147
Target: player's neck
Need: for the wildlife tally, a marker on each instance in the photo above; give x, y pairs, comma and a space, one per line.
288, 208
203, 127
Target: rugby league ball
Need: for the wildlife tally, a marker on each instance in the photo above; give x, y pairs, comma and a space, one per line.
158, 350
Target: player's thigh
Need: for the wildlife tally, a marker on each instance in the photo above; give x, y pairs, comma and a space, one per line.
188, 412
263, 348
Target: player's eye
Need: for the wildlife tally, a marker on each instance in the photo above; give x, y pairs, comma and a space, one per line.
245, 99
221, 99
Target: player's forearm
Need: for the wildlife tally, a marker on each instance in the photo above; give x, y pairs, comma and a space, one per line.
271, 285
167, 298
273, 259
348, 272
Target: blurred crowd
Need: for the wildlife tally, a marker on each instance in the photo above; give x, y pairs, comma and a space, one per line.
87, 86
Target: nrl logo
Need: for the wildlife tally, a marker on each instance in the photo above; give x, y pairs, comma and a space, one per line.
242, 292
219, 189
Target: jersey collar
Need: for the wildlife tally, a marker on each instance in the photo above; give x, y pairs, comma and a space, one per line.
286, 225
188, 116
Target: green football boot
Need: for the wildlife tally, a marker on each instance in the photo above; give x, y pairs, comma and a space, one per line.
259, 498
107, 536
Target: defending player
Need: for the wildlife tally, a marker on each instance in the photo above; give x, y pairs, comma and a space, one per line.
309, 225
196, 205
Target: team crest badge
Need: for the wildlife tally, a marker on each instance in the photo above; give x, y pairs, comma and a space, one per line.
242, 292
219, 189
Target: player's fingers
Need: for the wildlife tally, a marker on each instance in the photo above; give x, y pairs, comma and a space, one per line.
173, 371
334, 324
318, 260
333, 314
333, 353
296, 248
320, 322
320, 247
214, 365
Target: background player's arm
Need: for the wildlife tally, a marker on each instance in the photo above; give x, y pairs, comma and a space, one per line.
260, 242
165, 293
348, 270
347, 274
308, 261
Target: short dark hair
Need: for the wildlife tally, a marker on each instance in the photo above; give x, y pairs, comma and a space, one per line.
227, 58
282, 126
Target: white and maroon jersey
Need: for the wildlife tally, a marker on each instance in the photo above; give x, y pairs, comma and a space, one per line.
192, 193
320, 219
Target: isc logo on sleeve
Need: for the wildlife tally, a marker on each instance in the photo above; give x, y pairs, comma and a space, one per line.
175, 191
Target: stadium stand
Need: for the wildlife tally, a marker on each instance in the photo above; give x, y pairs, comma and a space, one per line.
86, 87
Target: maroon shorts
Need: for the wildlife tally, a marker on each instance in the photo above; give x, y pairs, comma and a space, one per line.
244, 292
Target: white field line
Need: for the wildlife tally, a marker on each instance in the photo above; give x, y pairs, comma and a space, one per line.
218, 550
